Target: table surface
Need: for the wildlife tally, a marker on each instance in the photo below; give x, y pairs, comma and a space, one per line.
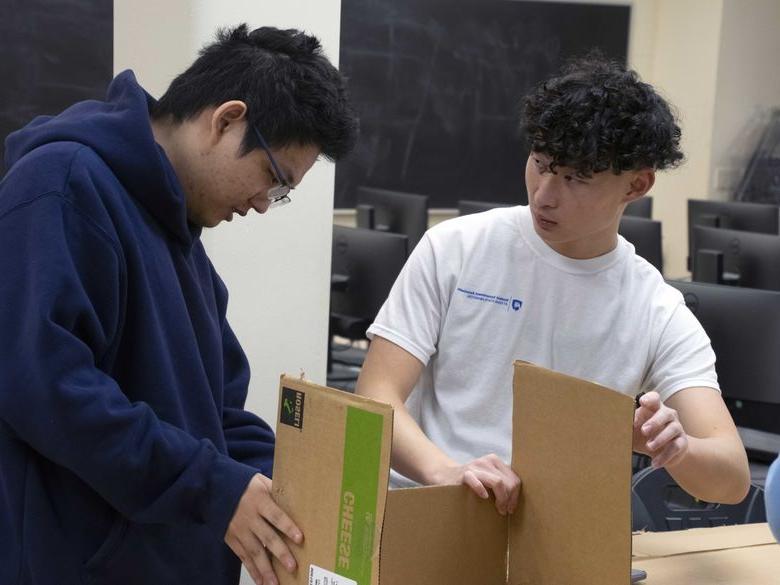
729, 555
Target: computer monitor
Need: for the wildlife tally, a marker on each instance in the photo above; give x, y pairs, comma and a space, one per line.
645, 234
364, 266
467, 207
393, 211
744, 327
735, 257
642, 207
735, 215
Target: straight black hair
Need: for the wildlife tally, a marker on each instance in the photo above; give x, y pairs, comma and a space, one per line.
294, 96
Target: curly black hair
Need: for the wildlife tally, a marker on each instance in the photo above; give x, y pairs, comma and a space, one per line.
598, 115
294, 95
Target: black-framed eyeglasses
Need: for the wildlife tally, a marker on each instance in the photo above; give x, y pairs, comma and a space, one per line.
278, 195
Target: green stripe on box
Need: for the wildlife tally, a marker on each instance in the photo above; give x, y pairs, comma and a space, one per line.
359, 486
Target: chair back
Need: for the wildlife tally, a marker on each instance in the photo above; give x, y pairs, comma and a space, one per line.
660, 504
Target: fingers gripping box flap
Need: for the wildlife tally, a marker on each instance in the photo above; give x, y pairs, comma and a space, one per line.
331, 470
571, 448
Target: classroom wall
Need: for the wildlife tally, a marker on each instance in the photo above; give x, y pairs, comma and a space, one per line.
748, 88
715, 61
680, 45
276, 266
154, 39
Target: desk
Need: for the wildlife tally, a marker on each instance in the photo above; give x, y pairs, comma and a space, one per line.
727, 555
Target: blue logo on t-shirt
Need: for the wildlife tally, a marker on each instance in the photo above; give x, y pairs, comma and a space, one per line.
505, 302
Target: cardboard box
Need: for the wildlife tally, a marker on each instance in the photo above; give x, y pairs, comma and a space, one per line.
745, 554
571, 447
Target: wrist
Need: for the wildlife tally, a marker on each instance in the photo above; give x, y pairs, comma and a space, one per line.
440, 473
683, 459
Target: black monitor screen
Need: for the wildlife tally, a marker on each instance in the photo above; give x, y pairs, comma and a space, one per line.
735, 215
642, 207
749, 259
645, 235
744, 328
365, 264
396, 212
467, 207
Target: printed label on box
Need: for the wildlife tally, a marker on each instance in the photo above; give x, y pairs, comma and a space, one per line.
359, 488
320, 576
291, 411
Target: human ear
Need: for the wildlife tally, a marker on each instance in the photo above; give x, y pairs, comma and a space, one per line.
642, 181
225, 117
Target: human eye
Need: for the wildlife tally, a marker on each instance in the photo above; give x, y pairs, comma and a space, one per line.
576, 180
540, 166
272, 177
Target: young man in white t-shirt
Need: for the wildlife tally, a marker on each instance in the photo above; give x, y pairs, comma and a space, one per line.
553, 283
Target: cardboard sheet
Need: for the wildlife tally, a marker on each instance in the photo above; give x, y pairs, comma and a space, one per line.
331, 471
664, 544
726, 555
441, 536
572, 450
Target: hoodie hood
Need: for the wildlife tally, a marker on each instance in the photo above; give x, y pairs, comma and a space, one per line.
119, 131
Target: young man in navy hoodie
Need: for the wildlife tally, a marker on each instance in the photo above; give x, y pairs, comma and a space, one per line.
126, 455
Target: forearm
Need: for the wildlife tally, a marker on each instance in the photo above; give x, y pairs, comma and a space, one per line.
415, 455
713, 469
249, 439
389, 374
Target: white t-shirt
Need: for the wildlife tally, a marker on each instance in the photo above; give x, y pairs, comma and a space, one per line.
483, 290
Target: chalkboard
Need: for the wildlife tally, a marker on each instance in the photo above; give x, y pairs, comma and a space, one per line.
438, 83
55, 53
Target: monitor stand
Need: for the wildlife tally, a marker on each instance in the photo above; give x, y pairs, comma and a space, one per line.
708, 266
366, 216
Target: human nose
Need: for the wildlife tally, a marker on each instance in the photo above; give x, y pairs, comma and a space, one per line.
260, 203
546, 191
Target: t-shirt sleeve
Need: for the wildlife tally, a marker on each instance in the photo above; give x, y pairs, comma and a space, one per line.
684, 358
411, 315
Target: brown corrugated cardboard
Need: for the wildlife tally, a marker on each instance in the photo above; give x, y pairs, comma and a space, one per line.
442, 534
309, 479
571, 448
727, 555
680, 542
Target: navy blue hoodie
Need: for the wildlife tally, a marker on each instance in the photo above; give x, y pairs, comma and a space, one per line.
124, 445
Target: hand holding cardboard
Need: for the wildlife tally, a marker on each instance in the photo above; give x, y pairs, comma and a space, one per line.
254, 532
486, 475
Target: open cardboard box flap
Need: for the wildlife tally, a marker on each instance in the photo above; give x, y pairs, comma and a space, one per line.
571, 447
